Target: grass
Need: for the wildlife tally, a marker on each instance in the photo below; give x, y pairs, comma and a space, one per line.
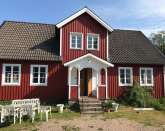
27, 125
148, 118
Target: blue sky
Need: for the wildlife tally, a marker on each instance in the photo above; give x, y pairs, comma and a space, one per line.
145, 15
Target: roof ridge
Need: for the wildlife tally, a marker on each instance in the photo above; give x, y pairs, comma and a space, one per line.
127, 30
24, 22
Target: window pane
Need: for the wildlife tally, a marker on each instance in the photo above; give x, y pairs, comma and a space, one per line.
15, 78
35, 74
42, 74
8, 68
8, 74
142, 76
89, 41
149, 77
42, 80
15, 68
35, 69
43, 69
121, 73
128, 74
35, 80
7, 77
122, 80
128, 81
95, 43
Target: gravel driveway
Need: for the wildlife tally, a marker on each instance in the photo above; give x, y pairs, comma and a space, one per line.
88, 123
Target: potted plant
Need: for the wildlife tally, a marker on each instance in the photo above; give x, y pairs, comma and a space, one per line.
108, 105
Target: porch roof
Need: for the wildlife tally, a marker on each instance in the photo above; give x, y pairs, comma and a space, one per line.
91, 57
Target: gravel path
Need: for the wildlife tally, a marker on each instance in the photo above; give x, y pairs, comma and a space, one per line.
86, 123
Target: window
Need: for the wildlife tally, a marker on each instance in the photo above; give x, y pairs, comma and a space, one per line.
76, 40
74, 80
38, 75
11, 74
92, 41
125, 76
146, 76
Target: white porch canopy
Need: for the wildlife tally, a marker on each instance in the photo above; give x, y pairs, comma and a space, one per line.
87, 61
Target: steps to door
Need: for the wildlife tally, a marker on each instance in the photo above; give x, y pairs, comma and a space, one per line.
90, 105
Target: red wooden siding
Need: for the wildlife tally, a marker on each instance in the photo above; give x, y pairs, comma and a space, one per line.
115, 90
102, 75
102, 92
84, 24
74, 93
57, 83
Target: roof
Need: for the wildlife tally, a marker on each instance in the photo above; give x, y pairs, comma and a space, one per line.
89, 55
132, 47
29, 41
82, 11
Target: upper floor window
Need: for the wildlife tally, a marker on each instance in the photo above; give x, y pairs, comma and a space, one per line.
11, 74
92, 41
38, 75
125, 76
76, 40
146, 76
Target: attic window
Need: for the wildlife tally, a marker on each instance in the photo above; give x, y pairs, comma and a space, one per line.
92, 41
76, 40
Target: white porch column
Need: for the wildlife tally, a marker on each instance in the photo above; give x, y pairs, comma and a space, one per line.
69, 81
79, 83
106, 82
97, 84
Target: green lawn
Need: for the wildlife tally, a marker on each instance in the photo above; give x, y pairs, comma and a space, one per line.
149, 118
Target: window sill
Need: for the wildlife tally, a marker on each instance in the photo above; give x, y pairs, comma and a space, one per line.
38, 84
125, 84
76, 48
93, 49
146, 84
10, 84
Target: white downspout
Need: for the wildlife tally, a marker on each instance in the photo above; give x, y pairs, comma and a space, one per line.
106, 82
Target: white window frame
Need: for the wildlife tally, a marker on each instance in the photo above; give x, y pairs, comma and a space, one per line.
131, 76
3, 75
31, 75
152, 78
91, 34
76, 33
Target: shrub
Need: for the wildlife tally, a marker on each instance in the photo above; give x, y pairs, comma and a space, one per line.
137, 96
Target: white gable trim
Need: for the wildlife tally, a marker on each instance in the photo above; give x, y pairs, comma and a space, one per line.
84, 10
89, 55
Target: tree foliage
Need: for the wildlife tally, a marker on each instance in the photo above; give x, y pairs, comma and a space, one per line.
158, 39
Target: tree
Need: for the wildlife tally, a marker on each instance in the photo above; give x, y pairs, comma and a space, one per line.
158, 39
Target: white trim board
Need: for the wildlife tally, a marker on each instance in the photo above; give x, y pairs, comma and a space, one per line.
84, 10
89, 55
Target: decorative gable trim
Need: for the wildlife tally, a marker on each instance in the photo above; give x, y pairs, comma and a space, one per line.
89, 55
84, 10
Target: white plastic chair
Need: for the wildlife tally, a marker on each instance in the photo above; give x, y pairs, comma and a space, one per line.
27, 110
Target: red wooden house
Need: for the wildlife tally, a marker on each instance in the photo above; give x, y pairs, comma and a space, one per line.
80, 56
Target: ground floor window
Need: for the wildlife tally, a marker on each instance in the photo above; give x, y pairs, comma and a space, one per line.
125, 76
38, 75
11, 74
146, 76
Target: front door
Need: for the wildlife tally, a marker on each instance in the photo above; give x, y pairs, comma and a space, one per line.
86, 82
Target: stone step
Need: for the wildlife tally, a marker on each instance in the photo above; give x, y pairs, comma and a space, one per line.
91, 112
91, 109
90, 104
